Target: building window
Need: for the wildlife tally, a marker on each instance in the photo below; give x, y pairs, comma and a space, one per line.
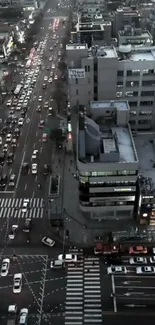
132, 104
129, 73
148, 72
119, 84
147, 93
146, 103
86, 68
89, 81
132, 84
133, 72
119, 94
131, 93
148, 83
145, 113
120, 73
133, 113
77, 92
76, 80
143, 122
77, 102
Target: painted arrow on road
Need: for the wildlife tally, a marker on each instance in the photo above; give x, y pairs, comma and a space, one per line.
134, 306
128, 282
133, 293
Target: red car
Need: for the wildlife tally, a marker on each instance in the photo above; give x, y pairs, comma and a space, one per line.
138, 250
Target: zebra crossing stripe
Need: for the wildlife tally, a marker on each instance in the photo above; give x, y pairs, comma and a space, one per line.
18, 203
12, 208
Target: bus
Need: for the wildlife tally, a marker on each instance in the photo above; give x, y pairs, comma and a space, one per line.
18, 89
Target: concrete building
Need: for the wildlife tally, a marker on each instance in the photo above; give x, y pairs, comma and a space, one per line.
107, 161
90, 6
135, 36
126, 16
92, 33
107, 73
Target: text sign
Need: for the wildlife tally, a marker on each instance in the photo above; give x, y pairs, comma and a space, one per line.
76, 73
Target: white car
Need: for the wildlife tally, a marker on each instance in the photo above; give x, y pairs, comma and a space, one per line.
23, 316
153, 250
8, 137
116, 270
34, 169
48, 241
1, 141
20, 121
13, 232
9, 102
35, 154
45, 78
40, 98
50, 80
5, 267
152, 259
145, 270
17, 283
138, 260
53, 66
68, 258
25, 205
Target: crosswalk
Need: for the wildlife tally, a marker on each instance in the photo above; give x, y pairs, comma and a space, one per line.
12, 208
83, 291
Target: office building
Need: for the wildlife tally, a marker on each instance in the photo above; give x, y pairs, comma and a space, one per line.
126, 16
92, 33
108, 73
107, 161
134, 36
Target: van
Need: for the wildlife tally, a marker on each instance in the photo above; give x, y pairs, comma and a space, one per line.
44, 137
56, 264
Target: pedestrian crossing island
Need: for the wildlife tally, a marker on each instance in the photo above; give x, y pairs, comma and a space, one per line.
12, 208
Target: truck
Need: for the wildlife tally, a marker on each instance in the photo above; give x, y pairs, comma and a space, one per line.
12, 315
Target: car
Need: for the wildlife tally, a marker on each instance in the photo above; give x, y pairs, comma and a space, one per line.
50, 59
48, 241
50, 80
27, 225
138, 249
14, 143
55, 77
12, 180
51, 48
138, 260
17, 283
5, 267
38, 108
25, 168
57, 264
44, 86
17, 133
47, 68
46, 105
25, 205
145, 270
34, 169
68, 258
46, 170
35, 154
10, 158
8, 138
40, 98
113, 260
116, 269
20, 121
23, 316
53, 66
45, 78
13, 232
41, 124
152, 259
3, 180
5, 148
153, 250
9, 103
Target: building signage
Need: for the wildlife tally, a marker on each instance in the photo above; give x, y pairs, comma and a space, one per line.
76, 73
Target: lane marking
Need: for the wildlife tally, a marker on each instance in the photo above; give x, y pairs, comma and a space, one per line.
113, 291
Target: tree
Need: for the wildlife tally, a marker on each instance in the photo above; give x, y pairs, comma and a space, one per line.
62, 66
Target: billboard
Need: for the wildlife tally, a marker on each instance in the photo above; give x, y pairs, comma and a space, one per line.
76, 73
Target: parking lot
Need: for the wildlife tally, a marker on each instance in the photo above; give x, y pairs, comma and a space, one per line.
42, 291
132, 290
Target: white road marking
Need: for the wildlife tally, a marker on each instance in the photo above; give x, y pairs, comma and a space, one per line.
113, 291
25, 187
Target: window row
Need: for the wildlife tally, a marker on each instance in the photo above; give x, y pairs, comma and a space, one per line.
144, 113
135, 94
136, 72
110, 173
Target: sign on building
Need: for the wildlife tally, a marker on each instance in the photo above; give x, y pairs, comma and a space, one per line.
76, 73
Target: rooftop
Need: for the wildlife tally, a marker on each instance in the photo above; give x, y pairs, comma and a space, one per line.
103, 51
130, 32
145, 143
106, 137
76, 46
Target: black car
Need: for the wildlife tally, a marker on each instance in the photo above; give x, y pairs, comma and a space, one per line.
2, 158
16, 133
46, 170
44, 86
10, 158
4, 130
12, 180
22, 114
113, 260
3, 180
25, 168
28, 225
